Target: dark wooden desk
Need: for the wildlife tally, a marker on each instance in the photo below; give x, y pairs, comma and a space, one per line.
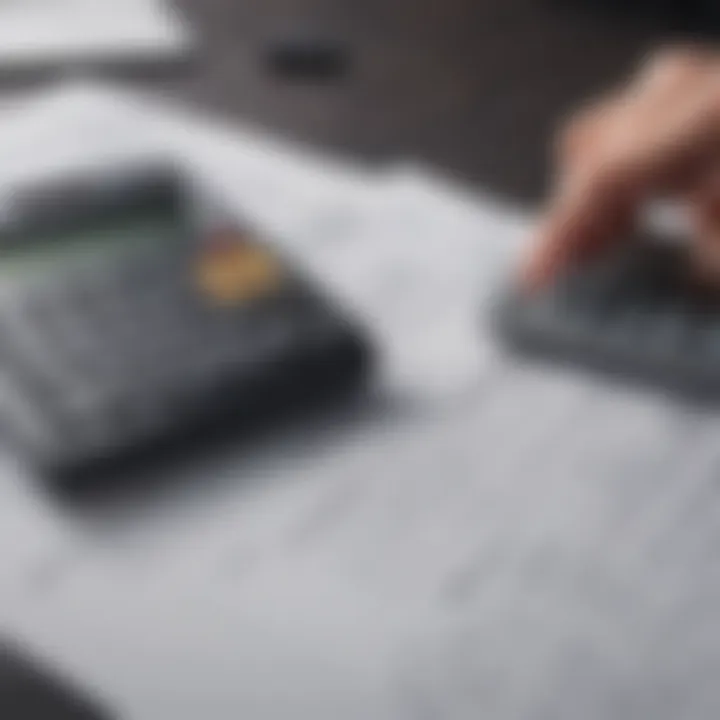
474, 86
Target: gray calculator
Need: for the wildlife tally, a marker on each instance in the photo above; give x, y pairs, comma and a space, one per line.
31, 691
641, 314
125, 325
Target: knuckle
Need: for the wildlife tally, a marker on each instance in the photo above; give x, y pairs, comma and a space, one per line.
674, 63
575, 128
565, 139
713, 105
673, 59
605, 180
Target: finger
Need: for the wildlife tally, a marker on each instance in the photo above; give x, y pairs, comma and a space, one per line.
589, 214
667, 123
605, 172
592, 205
658, 138
581, 137
705, 250
676, 152
639, 157
705, 256
674, 67
674, 88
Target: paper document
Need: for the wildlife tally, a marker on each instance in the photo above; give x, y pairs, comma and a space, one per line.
488, 539
72, 32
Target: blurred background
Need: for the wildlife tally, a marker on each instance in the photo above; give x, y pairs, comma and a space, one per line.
476, 86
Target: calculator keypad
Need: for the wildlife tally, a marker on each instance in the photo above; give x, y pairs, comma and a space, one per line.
119, 352
641, 312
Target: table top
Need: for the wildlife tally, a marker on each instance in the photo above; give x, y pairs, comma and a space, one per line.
483, 538
539, 546
473, 86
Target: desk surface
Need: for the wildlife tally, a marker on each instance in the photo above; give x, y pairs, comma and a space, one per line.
400, 565
516, 544
474, 86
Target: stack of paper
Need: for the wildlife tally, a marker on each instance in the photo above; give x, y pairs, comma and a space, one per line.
71, 32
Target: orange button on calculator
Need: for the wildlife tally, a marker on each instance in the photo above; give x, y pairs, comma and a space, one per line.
231, 270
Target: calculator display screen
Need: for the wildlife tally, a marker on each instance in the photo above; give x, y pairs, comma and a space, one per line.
49, 249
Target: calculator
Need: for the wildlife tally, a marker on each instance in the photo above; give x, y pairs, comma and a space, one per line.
126, 324
31, 691
640, 313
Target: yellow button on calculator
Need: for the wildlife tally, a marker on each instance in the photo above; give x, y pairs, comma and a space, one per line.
231, 270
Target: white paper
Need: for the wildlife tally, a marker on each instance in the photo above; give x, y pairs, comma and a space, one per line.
484, 538
68, 32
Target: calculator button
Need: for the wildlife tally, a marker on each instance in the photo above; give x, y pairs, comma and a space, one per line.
24, 417
275, 333
101, 421
675, 328
584, 300
631, 326
26, 348
135, 415
711, 341
229, 271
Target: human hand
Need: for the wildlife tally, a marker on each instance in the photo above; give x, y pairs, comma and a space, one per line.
657, 137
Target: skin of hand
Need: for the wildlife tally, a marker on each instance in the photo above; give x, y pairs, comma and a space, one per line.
657, 137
